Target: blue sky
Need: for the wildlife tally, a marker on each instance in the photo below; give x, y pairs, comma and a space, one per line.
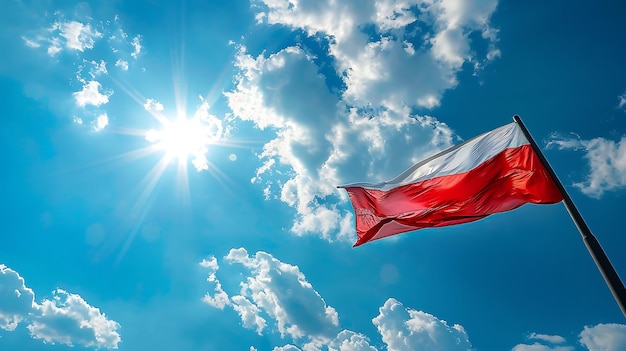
170, 173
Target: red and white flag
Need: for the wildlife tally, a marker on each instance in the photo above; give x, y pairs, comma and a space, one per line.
494, 172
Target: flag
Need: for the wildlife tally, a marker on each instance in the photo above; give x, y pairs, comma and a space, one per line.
494, 172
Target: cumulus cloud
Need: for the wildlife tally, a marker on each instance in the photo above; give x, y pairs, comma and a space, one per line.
16, 300
68, 319
91, 95
277, 294
321, 141
379, 53
65, 318
348, 340
281, 292
621, 101
606, 159
407, 329
604, 337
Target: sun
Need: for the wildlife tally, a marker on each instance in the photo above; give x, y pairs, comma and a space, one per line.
182, 139
186, 138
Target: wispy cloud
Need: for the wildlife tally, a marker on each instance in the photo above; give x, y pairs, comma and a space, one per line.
136, 43
30, 43
606, 160
546, 343
78, 36
554, 339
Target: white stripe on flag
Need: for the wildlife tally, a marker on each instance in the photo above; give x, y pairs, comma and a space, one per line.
462, 158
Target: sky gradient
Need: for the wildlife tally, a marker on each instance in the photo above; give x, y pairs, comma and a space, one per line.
171, 171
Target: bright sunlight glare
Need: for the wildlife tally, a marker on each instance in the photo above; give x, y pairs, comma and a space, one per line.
186, 138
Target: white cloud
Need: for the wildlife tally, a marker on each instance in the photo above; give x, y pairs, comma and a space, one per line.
622, 101
606, 160
153, 105
553, 339
66, 318
219, 299
136, 43
348, 340
546, 343
604, 337
376, 67
407, 329
211, 263
55, 47
98, 68
101, 122
286, 348
16, 300
123, 65
249, 313
540, 347
78, 36
90, 95
321, 141
280, 291
30, 43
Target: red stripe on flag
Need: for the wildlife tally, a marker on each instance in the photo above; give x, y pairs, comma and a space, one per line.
505, 182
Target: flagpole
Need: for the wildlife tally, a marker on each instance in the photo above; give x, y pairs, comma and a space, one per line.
602, 261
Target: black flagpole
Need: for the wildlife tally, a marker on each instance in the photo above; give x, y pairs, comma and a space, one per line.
596, 251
